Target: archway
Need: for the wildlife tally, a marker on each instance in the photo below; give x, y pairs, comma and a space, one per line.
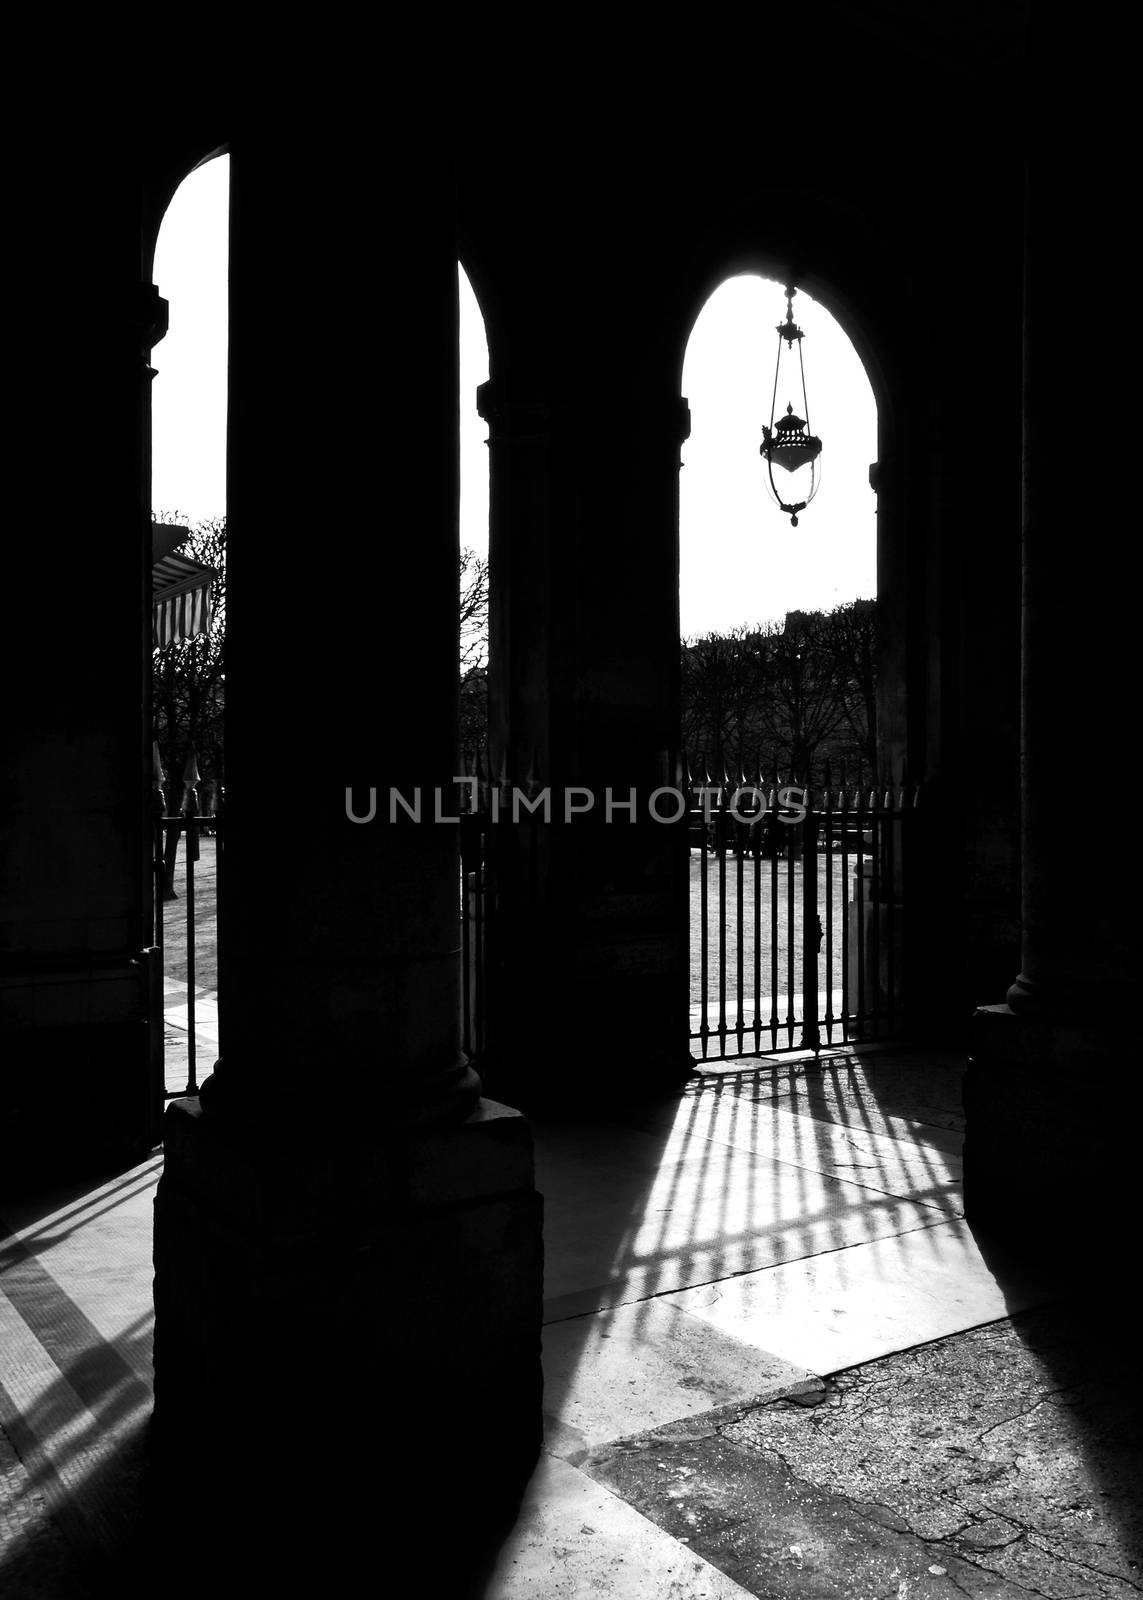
779, 663
187, 670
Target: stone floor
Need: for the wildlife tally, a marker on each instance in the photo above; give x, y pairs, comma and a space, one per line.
778, 1362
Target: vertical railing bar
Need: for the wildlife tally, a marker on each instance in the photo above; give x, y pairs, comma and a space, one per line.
876, 887
479, 931
891, 874
847, 1028
189, 848
190, 851
720, 846
827, 798
811, 1033
160, 836
704, 918
739, 842
759, 824
218, 811
465, 937
775, 835
859, 878
791, 941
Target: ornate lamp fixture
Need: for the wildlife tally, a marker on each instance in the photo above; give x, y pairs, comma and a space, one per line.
786, 443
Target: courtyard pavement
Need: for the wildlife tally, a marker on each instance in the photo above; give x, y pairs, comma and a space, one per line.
778, 1362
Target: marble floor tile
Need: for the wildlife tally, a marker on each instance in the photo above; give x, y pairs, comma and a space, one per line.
575, 1538
859, 1141
629, 1214
625, 1371
834, 1311
84, 1267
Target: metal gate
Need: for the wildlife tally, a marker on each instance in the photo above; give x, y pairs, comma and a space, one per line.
200, 815
797, 914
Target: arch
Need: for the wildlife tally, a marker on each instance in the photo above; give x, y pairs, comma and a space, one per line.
475, 570
858, 316
161, 185
749, 553
470, 359
842, 261
188, 395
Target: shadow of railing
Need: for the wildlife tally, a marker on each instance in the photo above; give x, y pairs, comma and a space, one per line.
75, 1396
742, 1170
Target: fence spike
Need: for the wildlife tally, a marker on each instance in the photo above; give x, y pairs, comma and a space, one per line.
158, 779
191, 781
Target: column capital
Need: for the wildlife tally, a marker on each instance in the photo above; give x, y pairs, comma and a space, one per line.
511, 416
153, 317
676, 416
520, 417
412, 1105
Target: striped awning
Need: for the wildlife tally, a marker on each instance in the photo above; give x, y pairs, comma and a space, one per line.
180, 592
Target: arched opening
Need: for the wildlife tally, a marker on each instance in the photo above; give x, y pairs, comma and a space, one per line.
741, 563
778, 671
474, 561
188, 596
473, 618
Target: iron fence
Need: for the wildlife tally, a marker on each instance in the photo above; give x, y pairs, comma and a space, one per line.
797, 913
473, 907
200, 814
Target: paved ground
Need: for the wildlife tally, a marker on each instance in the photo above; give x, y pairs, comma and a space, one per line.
1000, 1462
205, 898
778, 1362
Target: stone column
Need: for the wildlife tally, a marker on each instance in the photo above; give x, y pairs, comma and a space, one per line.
1051, 1103
519, 734
77, 1087
348, 1239
588, 916
524, 922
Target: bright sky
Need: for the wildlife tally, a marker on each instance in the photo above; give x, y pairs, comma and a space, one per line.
741, 562
188, 398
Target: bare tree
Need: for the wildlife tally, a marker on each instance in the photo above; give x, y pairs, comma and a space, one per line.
850, 632
800, 710
473, 731
784, 695
473, 610
188, 680
723, 678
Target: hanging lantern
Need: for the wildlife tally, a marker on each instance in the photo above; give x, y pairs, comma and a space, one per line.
786, 444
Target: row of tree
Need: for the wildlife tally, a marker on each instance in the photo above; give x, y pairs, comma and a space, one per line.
473, 732
188, 679
788, 694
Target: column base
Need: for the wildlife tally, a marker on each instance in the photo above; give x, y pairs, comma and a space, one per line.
1051, 1135
347, 1350
549, 1082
